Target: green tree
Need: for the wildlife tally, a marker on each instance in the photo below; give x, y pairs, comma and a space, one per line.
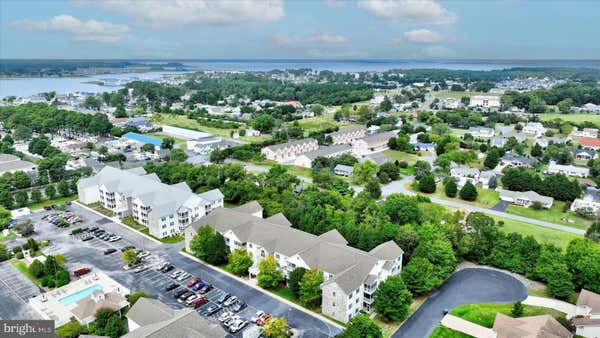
21, 180
402, 209
133, 298
318, 109
269, 276
21, 198
6, 199
263, 123
36, 195
36, 268
240, 261
102, 317
450, 188
392, 299
492, 159
427, 184
310, 287
209, 246
148, 147
536, 150
50, 191
361, 326
294, 279
593, 232
386, 104
177, 155
130, 257
559, 282
517, 310
363, 172
115, 327
275, 327
468, 192
373, 188
419, 276
167, 143
63, 188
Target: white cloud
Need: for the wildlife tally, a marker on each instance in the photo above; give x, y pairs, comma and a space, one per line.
423, 11
316, 38
177, 13
423, 36
91, 30
336, 3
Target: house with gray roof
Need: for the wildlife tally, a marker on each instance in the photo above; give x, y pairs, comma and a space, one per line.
516, 161
587, 314
481, 132
524, 198
372, 143
346, 136
498, 142
343, 170
569, 170
150, 318
377, 158
305, 160
11, 163
351, 276
165, 209
584, 154
287, 152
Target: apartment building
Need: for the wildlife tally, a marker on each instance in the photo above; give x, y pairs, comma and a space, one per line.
305, 160
584, 132
372, 143
346, 136
351, 276
165, 209
485, 101
287, 152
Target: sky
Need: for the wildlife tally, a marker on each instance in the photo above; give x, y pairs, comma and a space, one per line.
300, 29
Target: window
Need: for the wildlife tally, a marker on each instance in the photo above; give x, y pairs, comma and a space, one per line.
262, 253
333, 293
250, 245
333, 304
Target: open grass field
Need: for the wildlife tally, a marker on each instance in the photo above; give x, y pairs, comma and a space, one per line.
484, 314
442, 94
577, 118
444, 332
396, 155
318, 123
59, 200
541, 234
183, 122
553, 215
486, 198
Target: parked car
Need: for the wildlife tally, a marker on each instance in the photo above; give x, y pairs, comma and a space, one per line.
87, 238
190, 299
257, 316
161, 266
114, 238
262, 319
109, 251
212, 309
230, 301
92, 229
167, 268
238, 306
176, 274
171, 286
140, 268
230, 320
143, 255
206, 288
47, 207
81, 271
184, 296
183, 276
179, 292
193, 281
237, 325
196, 287
225, 315
223, 297
198, 302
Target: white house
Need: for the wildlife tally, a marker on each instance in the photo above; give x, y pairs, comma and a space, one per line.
346, 136
481, 132
569, 170
585, 132
584, 154
165, 209
485, 101
351, 276
534, 128
287, 152
587, 314
525, 198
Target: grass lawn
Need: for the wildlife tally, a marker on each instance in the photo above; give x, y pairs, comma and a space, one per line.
577, 118
388, 329
396, 155
99, 208
444, 332
299, 171
22, 267
60, 200
484, 314
318, 123
553, 215
183, 122
166, 240
442, 94
540, 233
10, 235
486, 198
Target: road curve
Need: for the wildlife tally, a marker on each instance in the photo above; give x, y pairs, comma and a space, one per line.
400, 187
468, 286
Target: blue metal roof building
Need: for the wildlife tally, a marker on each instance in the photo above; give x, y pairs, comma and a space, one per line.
142, 139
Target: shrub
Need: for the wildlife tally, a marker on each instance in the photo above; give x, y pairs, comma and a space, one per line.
19, 255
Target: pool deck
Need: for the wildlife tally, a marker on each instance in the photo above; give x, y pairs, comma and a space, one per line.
48, 304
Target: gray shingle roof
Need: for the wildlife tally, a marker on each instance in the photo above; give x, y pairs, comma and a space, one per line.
327, 151
280, 219
249, 208
292, 143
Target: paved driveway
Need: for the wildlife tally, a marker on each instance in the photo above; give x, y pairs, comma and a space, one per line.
501, 206
464, 287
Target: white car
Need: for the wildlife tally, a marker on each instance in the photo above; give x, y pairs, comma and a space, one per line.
176, 274
257, 316
237, 325
230, 301
190, 300
231, 320
225, 315
114, 238
143, 255
140, 268
183, 276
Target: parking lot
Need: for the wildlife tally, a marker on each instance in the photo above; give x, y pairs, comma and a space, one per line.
91, 254
15, 291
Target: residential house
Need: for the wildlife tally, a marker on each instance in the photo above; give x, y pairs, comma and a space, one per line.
590, 107
587, 314
498, 142
569, 170
587, 202
525, 198
346, 136
165, 209
420, 146
529, 327
516, 161
343, 170
584, 154
305, 160
351, 276
372, 143
534, 128
505, 130
590, 143
488, 179
463, 174
205, 145
85, 309
485, 101
11, 163
150, 318
585, 132
481, 132
287, 152
377, 158
544, 142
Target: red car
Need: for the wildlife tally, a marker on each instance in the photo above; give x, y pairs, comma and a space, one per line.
262, 319
199, 302
81, 271
193, 281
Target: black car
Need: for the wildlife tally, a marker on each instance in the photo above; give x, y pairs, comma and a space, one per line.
167, 268
171, 286
206, 288
238, 306
222, 298
177, 293
109, 251
212, 309
86, 238
185, 295
127, 248
93, 229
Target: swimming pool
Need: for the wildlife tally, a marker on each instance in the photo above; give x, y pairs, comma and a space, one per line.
113, 143
77, 296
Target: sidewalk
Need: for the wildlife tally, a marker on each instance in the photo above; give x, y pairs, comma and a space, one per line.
466, 327
567, 308
256, 287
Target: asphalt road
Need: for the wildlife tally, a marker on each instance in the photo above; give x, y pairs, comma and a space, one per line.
91, 253
464, 287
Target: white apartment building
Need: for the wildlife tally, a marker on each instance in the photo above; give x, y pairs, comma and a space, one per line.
287, 152
372, 143
351, 276
534, 128
569, 170
346, 136
485, 101
305, 160
165, 209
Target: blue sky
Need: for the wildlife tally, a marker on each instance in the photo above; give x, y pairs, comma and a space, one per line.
235, 29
